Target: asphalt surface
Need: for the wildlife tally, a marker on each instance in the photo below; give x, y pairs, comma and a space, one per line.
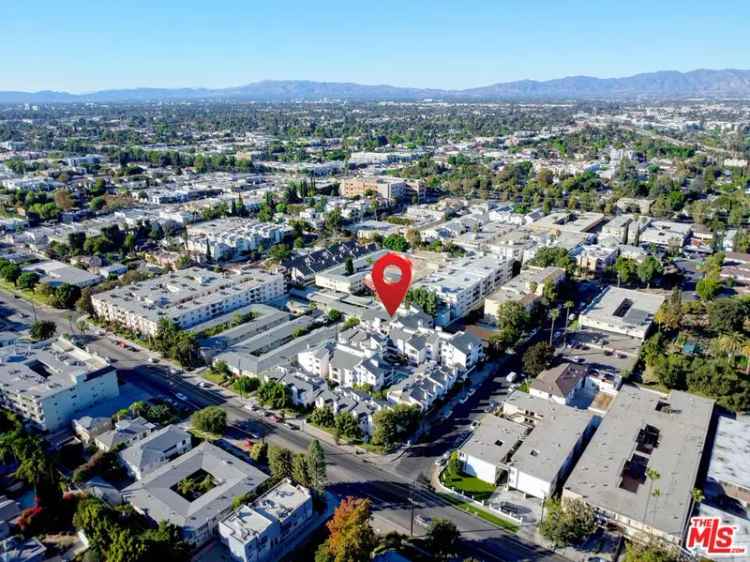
393, 489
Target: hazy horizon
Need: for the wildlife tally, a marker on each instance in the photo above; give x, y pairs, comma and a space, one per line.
78, 47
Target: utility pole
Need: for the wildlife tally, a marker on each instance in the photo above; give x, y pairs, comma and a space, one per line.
411, 501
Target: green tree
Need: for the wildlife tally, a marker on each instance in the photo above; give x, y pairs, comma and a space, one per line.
334, 315
245, 385
393, 425
396, 242
274, 395
300, 473
124, 545
259, 452
84, 303
554, 256
65, 296
346, 425
537, 358
316, 466
323, 417
76, 240
652, 552
27, 280
648, 269
708, 287
442, 538
424, 299
211, 419
626, 269
567, 522
554, 314
42, 330
10, 272
280, 462
280, 252
727, 315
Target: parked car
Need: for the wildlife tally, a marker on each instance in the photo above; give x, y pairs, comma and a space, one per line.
511, 377
422, 521
181, 396
508, 507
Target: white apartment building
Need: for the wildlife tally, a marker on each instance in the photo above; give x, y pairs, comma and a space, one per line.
617, 228
462, 285
157, 494
155, 450
47, 384
622, 311
666, 234
525, 288
187, 297
230, 237
315, 361
531, 448
336, 278
596, 258
264, 530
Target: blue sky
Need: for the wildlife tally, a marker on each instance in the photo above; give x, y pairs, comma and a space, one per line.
78, 45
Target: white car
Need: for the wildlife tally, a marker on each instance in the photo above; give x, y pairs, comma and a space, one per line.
422, 521
181, 396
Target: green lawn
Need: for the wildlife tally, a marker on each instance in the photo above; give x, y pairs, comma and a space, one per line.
204, 435
25, 293
216, 378
479, 512
469, 485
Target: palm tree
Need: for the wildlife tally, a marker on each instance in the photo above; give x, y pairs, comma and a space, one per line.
732, 343
746, 353
568, 305
697, 495
554, 314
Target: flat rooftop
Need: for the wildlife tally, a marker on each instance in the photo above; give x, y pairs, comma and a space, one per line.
46, 369
622, 309
730, 457
556, 431
494, 439
168, 295
154, 494
645, 431
275, 505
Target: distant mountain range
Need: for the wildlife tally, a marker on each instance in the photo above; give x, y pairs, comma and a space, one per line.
727, 83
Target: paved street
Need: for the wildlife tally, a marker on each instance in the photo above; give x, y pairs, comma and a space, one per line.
389, 487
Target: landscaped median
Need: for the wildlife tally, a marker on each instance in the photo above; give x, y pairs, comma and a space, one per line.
465, 505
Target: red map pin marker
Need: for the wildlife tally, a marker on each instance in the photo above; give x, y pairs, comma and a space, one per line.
391, 294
